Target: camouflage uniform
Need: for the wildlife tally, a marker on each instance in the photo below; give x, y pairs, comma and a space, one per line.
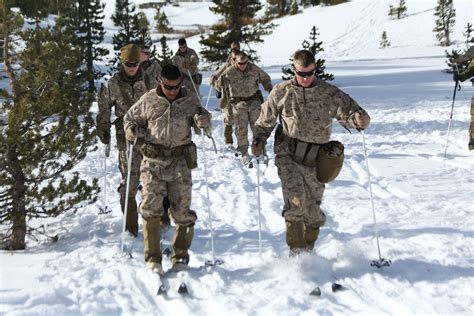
152, 70
466, 74
121, 92
166, 127
242, 90
305, 115
188, 61
228, 139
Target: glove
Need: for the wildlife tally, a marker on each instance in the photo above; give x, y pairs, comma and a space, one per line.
257, 147
455, 76
202, 121
131, 134
104, 136
361, 120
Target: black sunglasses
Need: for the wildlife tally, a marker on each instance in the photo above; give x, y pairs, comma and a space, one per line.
243, 63
172, 88
304, 74
131, 65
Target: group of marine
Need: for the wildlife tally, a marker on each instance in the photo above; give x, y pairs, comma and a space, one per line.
156, 110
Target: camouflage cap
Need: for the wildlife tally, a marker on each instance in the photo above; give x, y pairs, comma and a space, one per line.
131, 53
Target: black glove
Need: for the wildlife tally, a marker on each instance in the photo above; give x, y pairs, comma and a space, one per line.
218, 94
104, 136
455, 76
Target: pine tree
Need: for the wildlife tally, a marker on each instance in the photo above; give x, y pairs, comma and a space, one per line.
46, 129
90, 35
444, 24
294, 7
166, 52
161, 21
467, 34
384, 42
314, 46
399, 11
127, 22
239, 24
144, 36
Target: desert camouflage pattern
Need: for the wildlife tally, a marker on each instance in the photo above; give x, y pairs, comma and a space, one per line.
120, 93
152, 70
168, 124
243, 109
306, 114
187, 62
223, 104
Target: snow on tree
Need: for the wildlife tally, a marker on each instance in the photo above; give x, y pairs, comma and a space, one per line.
399, 11
384, 42
239, 24
46, 127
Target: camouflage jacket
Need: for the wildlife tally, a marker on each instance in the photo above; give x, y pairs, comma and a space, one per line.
120, 93
243, 84
306, 113
188, 61
152, 70
162, 122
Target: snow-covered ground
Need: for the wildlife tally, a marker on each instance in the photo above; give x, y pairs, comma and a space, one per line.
424, 203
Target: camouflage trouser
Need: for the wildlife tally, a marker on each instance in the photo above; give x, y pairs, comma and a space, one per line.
167, 177
244, 113
302, 192
471, 126
228, 139
135, 172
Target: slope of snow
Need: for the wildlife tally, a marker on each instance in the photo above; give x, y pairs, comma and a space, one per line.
424, 202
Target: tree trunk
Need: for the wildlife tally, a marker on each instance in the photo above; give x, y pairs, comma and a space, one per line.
18, 219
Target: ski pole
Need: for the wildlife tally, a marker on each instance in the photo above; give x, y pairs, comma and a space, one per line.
208, 96
212, 262
129, 171
456, 87
381, 262
259, 211
194, 86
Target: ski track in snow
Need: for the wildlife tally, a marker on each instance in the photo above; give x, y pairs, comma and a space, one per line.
423, 203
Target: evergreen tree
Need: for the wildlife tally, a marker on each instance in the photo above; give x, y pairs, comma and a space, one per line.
444, 24
467, 34
90, 35
127, 22
46, 128
384, 42
399, 11
161, 21
314, 46
144, 36
294, 7
166, 52
239, 24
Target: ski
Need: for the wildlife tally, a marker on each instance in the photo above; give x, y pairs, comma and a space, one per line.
335, 287
183, 289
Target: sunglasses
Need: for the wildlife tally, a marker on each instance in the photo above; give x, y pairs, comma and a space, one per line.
171, 88
243, 63
305, 74
131, 65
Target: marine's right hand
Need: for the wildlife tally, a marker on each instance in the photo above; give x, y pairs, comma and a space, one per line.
131, 134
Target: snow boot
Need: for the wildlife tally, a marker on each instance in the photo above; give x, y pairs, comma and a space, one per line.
182, 239
151, 240
295, 237
245, 159
131, 224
